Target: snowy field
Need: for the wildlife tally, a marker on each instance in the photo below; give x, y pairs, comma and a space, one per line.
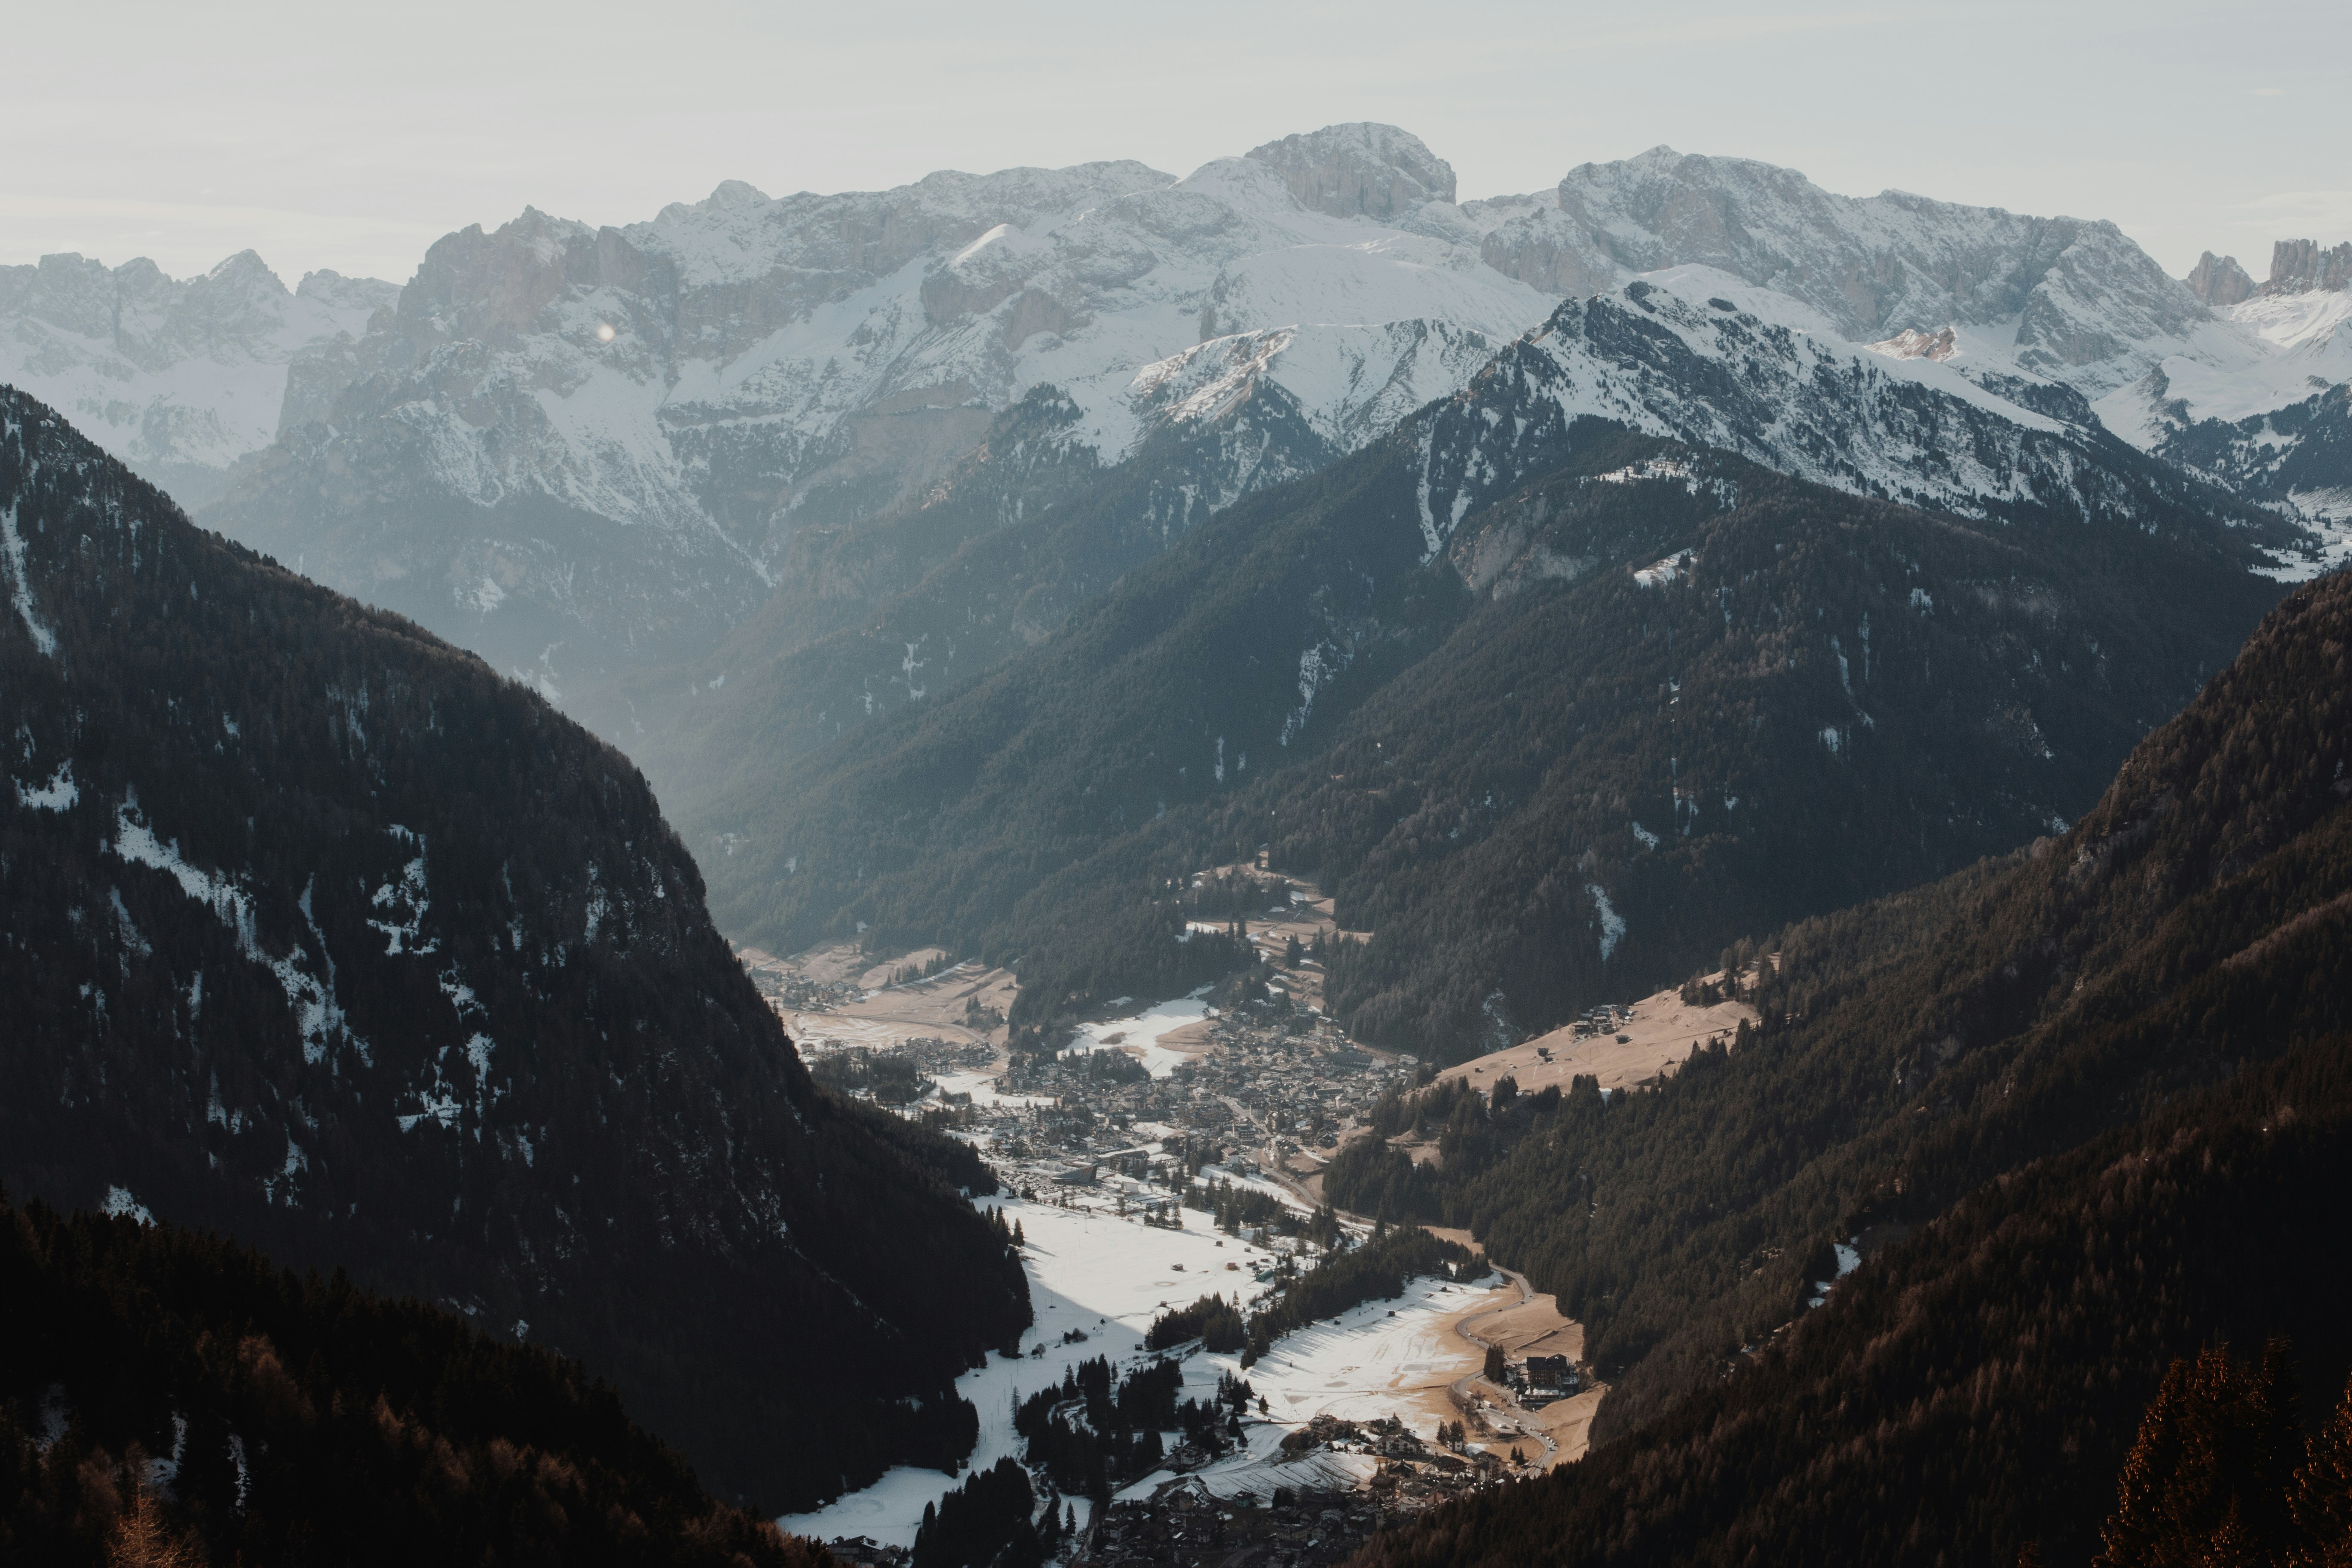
1108, 1278
1140, 1035
981, 1086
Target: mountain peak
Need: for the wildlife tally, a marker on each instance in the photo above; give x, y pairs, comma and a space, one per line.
737, 194
2299, 267
2219, 280
1362, 169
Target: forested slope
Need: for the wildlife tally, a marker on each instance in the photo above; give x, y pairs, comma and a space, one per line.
315, 931
874, 616
1647, 700
164, 1392
2188, 935
1974, 1391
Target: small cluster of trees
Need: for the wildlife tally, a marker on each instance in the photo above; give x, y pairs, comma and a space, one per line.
1014, 1237
890, 1077
1344, 1278
992, 1519
1091, 1432
1217, 1323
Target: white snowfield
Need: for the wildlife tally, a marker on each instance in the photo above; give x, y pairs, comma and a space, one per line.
1108, 1278
1140, 1035
2266, 352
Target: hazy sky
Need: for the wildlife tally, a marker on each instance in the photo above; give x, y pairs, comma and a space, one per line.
353, 137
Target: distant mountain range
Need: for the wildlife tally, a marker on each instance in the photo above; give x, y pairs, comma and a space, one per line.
739, 482
589, 454
180, 379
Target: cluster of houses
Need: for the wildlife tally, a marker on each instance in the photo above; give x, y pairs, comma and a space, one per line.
1260, 1099
1605, 1019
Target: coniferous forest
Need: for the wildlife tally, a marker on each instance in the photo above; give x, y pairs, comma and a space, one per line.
1832, 697
167, 1398
2094, 1103
319, 933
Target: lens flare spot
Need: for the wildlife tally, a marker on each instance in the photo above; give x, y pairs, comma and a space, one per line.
604, 333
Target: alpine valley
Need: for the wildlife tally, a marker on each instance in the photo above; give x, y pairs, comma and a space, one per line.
1191, 697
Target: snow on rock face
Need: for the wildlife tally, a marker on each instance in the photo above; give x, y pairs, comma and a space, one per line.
581, 451
178, 378
1671, 355
1912, 343
586, 448
2271, 423
1362, 170
2081, 303
2299, 265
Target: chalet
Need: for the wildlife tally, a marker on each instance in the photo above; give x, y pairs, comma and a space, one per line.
1545, 1378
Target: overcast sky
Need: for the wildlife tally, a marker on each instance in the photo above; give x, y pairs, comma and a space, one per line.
352, 137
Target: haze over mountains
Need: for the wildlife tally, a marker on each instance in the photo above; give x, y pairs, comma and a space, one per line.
581, 507
1583, 588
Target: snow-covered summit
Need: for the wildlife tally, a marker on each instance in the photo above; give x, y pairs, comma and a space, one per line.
580, 451
1362, 170
177, 377
2218, 281
690, 391
2301, 267
2272, 420
1681, 353
2069, 298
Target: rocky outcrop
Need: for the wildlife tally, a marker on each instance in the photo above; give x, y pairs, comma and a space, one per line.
1363, 170
2220, 281
2299, 265
1552, 251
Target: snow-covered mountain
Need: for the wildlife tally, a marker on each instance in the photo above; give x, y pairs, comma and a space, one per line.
1701, 357
177, 378
583, 450
2273, 421
586, 453
2069, 300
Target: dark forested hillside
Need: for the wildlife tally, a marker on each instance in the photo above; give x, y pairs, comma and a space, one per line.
950, 812
168, 1398
871, 617
315, 931
1974, 1391
1599, 781
2190, 931
1645, 702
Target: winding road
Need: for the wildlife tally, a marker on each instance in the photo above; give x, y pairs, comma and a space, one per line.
1459, 1391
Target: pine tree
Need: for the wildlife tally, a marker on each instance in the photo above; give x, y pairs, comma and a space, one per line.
2320, 1497
2206, 1482
143, 1539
